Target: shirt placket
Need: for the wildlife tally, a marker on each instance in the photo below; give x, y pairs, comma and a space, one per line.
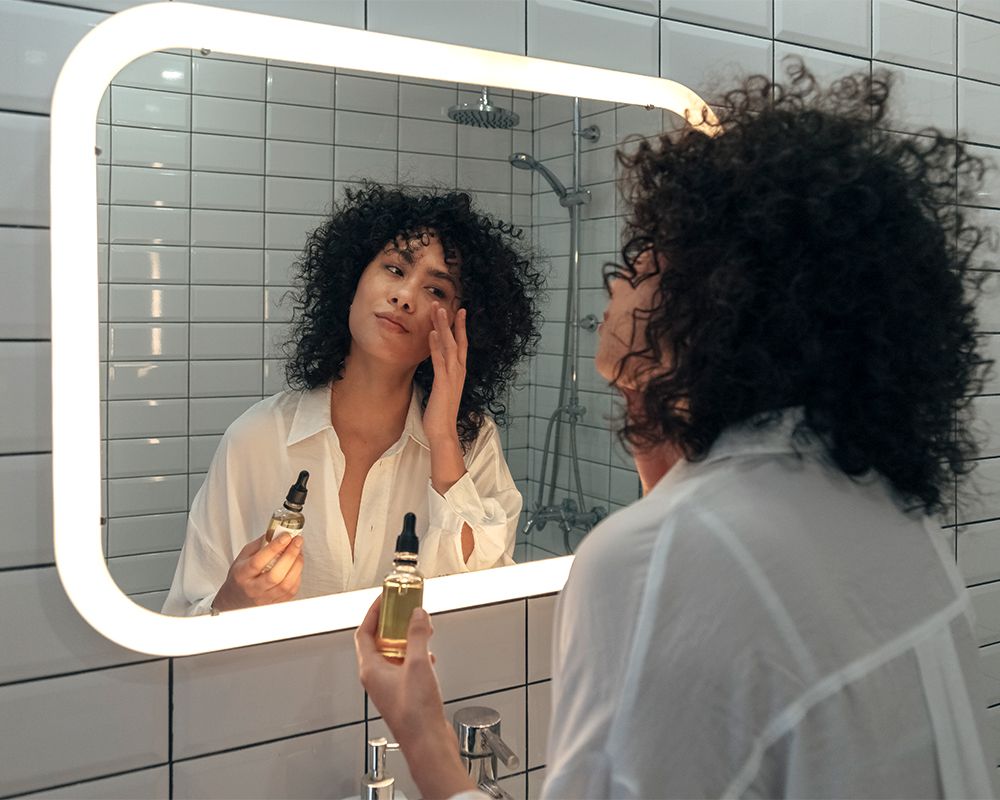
371, 519
337, 545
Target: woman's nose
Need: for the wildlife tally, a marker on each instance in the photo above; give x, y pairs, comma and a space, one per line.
401, 300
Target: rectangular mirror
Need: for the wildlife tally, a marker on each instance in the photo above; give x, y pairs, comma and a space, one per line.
212, 158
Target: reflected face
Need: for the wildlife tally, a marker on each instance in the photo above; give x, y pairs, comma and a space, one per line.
624, 327
390, 317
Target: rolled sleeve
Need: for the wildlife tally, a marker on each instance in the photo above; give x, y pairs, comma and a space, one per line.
484, 498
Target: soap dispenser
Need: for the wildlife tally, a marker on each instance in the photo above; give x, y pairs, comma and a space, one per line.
375, 784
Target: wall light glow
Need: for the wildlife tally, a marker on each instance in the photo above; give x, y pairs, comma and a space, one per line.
76, 466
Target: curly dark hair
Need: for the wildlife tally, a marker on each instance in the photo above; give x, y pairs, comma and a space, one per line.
500, 289
810, 258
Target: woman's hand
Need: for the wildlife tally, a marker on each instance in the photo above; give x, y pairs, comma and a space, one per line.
250, 583
409, 698
449, 346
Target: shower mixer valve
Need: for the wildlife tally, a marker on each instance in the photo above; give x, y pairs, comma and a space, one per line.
589, 322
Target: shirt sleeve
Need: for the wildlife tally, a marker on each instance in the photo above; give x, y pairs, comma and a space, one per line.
486, 499
199, 575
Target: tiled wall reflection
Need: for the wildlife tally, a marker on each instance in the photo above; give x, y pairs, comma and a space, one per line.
213, 170
607, 478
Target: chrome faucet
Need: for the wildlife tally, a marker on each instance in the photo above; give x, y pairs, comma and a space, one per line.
480, 746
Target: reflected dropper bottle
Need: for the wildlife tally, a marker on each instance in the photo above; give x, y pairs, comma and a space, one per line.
289, 518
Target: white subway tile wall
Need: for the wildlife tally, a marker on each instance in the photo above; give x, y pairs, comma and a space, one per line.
181, 123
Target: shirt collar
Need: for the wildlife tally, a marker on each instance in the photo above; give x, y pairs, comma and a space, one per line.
414, 425
766, 434
312, 415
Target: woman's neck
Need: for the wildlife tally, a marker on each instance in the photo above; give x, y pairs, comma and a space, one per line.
370, 397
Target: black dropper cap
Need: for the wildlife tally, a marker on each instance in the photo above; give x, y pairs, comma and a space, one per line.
407, 541
297, 494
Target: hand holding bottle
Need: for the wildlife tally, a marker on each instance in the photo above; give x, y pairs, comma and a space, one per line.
408, 696
250, 583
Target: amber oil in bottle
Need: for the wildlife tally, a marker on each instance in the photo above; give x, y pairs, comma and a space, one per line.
288, 518
402, 592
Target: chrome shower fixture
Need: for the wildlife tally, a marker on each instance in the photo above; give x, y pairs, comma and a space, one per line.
566, 197
524, 161
483, 114
571, 514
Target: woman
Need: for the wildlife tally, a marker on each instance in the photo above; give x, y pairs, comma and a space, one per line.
793, 333
413, 314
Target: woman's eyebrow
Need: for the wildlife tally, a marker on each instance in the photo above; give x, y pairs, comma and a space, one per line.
445, 276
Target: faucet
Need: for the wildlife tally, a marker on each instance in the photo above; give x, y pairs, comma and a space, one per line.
480, 746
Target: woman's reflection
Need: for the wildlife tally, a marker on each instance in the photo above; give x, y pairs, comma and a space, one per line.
412, 313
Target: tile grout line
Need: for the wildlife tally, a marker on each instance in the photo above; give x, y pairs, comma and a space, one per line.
81, 783
527, 706
170, 728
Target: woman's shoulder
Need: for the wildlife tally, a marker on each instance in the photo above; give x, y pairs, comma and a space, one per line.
264, 420
487, 437
629, 542
489, 429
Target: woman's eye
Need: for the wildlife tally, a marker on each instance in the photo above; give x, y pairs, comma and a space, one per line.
394, 269
437, 292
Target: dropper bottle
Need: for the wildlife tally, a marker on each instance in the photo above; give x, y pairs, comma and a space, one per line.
289, 518
402, 592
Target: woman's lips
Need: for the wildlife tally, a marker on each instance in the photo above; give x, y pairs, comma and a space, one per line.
391, 324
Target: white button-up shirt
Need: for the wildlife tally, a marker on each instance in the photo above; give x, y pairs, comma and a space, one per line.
761, 625
260, 456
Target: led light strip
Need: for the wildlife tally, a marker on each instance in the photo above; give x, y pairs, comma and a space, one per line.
76, 467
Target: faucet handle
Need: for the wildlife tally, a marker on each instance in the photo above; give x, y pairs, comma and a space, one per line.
504, 754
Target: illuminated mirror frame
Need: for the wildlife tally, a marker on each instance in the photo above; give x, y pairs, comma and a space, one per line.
76, 466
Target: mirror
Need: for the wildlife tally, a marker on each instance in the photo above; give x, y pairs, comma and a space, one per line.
212, 168
215, 169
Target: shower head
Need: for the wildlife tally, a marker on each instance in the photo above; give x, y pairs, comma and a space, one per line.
524, 161
483, 114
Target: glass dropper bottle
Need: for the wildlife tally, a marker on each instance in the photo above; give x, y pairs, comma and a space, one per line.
402, 592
